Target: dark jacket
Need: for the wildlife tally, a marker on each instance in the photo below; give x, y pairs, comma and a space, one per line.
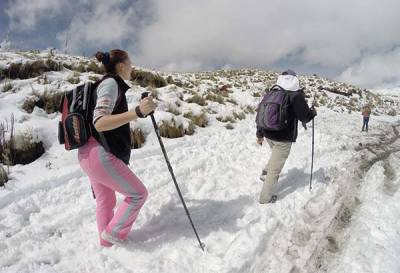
118, 140
298, 110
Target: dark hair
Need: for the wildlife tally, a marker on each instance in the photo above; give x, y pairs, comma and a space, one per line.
111, 59
289, 72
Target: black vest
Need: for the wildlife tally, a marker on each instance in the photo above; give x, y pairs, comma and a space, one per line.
118, 140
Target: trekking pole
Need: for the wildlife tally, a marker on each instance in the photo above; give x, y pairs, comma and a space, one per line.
202, 245
312, 154
94, 195
312, 145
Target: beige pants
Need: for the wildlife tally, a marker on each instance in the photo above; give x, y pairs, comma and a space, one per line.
279, 154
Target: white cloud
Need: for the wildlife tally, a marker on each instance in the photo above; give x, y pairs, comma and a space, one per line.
336, 36
378, 70
106, 24
332, 34
25, 14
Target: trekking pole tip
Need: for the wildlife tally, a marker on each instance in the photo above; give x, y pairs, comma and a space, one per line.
202, 246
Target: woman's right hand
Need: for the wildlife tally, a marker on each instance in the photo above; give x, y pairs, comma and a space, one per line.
147, 105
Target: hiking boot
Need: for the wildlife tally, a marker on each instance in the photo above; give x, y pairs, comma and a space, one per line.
112, 239
272, 200
263, 175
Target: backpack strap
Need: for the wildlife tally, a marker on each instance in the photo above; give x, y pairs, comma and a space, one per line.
85, 94
104, 142
277, 88
71, 108
94, 98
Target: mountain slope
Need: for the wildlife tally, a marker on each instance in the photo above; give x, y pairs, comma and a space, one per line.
47, 219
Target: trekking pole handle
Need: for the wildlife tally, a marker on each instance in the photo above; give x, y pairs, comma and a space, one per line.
145, 95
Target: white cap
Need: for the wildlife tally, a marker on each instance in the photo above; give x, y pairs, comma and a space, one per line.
288, 81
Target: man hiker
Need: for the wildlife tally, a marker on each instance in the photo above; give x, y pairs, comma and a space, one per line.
366, 112
277, 119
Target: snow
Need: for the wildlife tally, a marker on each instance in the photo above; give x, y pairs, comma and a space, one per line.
374, 244
47, 213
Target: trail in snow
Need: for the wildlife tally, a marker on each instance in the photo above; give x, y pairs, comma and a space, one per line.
377, 150
47, 216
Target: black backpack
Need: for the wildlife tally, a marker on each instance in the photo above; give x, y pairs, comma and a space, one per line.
76, 107
273, 110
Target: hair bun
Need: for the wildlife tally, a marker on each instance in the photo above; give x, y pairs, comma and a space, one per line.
103, 57
99, 56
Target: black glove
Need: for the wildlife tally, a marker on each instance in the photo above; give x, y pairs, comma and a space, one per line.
313, 111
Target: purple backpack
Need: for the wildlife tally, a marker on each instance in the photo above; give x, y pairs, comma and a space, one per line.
272, 112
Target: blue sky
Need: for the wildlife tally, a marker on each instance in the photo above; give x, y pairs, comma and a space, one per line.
353, 41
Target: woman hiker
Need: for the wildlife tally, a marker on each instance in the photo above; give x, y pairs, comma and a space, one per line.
105, 157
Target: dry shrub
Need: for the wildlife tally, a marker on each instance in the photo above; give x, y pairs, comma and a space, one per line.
190, 129
24, 150
7, 86
53, 65
81, 67
2, 74
67, 66
211, 111
73, 80
214, 97
29, 104
169, 129
18, 149
3, 176
137, 138
230, 119
170, 80
229, 126
31, 69
146, 78
85, 66
49, 101
94, 78
177, 82
392, 112
322, 101
249, 109
336, 90
231, 101
93, 67
6, 130
239, 116
197, 99
199, 120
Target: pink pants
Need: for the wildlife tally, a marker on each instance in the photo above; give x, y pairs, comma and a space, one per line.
107, 175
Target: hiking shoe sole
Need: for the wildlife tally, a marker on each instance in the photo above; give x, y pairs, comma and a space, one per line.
112, 239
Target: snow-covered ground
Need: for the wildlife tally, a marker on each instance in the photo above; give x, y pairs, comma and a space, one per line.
349, 222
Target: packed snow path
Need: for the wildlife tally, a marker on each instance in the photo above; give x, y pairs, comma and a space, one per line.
47, 214
375, 181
